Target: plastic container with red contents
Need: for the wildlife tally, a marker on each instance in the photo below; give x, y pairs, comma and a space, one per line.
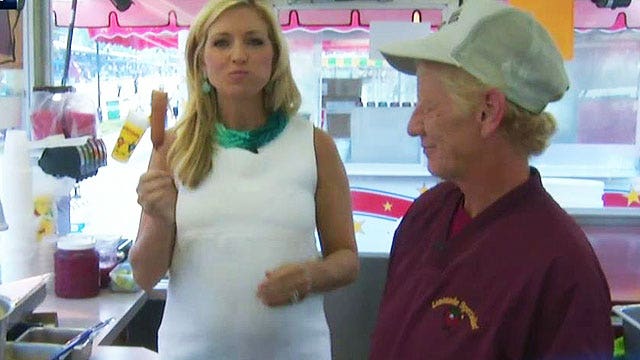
59, 110
80, 116
47, 116
76, 267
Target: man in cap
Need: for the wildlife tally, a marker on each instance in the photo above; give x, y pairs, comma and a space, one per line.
486, 265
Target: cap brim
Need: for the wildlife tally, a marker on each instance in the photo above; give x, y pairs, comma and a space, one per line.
403, 56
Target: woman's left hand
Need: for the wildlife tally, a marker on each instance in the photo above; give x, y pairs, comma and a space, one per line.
286, 284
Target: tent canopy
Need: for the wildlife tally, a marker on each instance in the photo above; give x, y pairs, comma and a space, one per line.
180, 13
161, 13
142, 37
155, 23
97, 13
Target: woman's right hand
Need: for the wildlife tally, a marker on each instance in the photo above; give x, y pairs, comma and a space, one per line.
157, 194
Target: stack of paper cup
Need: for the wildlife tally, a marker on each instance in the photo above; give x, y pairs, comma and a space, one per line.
11, 111
45, 254
19, 246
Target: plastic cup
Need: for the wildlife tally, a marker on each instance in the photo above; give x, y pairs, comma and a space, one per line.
132, 130
108, 254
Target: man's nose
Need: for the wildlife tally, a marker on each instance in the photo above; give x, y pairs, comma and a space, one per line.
414, 127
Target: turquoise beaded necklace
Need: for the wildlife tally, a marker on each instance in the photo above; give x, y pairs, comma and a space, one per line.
254, 139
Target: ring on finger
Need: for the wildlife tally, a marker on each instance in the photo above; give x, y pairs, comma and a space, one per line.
295, 297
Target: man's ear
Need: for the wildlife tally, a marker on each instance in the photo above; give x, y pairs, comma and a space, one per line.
493, 109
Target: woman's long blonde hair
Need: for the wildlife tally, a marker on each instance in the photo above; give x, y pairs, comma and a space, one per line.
191, 155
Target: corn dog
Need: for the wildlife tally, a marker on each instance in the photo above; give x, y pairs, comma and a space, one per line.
159, 102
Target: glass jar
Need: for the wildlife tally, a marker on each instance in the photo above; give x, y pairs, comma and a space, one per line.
76, 266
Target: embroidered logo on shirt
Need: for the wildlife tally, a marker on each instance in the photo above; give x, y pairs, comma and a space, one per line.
455, 312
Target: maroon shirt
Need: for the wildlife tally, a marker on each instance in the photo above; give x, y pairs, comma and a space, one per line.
520, 281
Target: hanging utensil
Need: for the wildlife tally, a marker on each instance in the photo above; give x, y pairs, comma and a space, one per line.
80, 338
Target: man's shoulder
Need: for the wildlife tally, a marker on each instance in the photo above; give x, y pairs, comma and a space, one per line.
433, 199
546, 220
544, 235
439, 191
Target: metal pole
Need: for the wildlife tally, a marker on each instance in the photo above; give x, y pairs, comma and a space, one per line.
98, 65
67, 58
39, 45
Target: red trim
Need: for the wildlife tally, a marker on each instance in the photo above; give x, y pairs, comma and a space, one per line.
588, 16
621, 22
312, 23
96, 14
379, 203
618, 200
344, 20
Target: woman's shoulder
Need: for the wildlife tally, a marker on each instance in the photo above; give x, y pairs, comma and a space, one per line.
300, 122
305, 129
323, 142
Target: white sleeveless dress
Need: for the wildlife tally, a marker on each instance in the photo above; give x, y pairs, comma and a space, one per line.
253, 213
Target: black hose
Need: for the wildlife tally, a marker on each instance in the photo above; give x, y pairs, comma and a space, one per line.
67, 58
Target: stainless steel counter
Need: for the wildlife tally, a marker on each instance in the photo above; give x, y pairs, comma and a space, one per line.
83, 313
122, 352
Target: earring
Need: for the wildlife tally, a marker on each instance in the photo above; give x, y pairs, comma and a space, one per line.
206, 87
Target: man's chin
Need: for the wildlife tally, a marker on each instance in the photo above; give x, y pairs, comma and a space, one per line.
432, 170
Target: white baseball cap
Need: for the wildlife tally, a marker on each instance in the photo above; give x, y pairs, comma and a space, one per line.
500, 45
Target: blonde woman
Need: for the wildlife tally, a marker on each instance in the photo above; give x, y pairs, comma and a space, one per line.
232, 201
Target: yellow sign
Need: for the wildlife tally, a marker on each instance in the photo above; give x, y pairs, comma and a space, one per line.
557, 18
